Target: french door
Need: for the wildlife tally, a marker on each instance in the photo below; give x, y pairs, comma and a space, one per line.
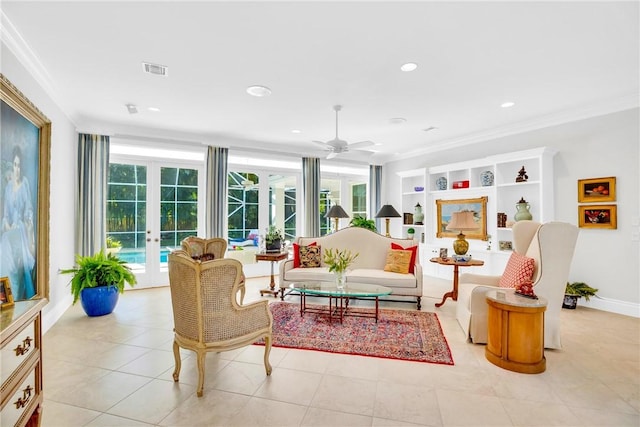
152, 205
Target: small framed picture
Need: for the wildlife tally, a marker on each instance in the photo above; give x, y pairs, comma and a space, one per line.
6, 297
598, 216
444, 253
597, 190
505, 245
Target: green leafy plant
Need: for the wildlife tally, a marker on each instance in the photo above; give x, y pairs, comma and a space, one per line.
113, 243
363, 222
581, 289
338, 261
99, 270
411, 231
273, 233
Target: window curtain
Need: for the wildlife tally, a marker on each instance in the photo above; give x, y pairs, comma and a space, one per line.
93, 174
216, 197
311, 195
375, 193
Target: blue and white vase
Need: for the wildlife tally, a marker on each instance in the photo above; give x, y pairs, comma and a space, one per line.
486, 178
441, 183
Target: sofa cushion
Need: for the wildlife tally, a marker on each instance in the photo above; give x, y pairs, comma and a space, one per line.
398, 261
310, 256
320, 274
519, 269
296, 254
414, 253
374, 276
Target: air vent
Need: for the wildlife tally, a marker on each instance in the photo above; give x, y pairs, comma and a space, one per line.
157, 69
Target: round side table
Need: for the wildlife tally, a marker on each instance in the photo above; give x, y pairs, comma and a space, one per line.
515, 334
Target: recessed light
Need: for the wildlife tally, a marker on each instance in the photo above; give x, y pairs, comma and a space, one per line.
154, 109
295, 130
397, 120
507, 104
409, 66
258, 91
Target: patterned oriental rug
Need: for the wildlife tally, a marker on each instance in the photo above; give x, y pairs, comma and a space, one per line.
399, 334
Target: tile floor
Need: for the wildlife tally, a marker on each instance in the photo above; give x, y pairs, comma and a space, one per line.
116, 371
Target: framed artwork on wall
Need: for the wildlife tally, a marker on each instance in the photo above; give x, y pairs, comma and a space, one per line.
25, 143
447, 207
597, 190
598, 216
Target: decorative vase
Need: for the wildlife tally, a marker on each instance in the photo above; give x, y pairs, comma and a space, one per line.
418, 216
441, 183
410, 235
99, 300
486, 178
522, 212
341, 278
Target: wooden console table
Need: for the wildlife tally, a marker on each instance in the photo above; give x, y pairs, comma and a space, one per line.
273, 257
515, 332
456, 264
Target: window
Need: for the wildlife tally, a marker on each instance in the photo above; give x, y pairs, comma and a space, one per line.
359, 200
127, 204
243, 201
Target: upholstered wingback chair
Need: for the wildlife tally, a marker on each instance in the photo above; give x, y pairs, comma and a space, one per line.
551, 245
206, 314
205, 249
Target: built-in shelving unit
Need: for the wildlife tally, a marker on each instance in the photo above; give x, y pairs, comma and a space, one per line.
414, 191
503, 194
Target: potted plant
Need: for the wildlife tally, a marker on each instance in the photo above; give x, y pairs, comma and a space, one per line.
273, 239
411, 232
113, 245
98, 280
358, 221
338, 262
575, 290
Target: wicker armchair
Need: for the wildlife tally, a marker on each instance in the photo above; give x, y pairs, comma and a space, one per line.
207, 316
203, 249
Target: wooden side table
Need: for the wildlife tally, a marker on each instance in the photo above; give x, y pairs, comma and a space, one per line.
456, 264
273, 257
515, 334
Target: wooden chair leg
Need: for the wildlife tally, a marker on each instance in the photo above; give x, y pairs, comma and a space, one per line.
201, 356
267, 350
176, 356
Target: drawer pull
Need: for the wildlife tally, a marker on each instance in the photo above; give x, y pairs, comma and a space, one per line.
24, 348
26, 395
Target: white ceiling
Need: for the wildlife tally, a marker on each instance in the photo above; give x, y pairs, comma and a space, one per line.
557, 61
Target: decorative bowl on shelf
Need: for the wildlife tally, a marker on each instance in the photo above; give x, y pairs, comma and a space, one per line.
418, 188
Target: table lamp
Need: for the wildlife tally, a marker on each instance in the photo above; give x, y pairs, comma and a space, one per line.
386, 212
461, 221
336, 212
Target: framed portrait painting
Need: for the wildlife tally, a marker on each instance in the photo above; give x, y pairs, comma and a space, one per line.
597, 190
25, 139
445, 209
598, 216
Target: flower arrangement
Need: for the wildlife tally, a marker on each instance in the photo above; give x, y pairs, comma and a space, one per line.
338, 261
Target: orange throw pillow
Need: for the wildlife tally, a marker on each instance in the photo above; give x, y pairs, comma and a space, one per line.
519, 270
398, 261
414, 253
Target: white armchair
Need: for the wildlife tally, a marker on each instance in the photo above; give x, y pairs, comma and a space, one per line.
551, 245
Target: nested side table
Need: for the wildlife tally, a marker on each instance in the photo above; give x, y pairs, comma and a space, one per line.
515, 334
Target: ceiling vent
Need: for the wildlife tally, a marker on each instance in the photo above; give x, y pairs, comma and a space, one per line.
157, 69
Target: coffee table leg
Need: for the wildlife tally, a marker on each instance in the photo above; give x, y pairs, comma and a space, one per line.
376, 309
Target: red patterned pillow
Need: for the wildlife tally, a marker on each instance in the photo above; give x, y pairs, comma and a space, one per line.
519, 270
296, 254
310, 256
414, 252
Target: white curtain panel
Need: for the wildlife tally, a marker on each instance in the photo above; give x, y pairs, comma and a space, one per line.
93, 172
216, 191
375, 193
311, 195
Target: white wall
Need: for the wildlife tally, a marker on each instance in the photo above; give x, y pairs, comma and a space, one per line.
63, 160
597, 147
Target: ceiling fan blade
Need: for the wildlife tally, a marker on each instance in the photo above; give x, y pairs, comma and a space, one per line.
331, 155
361, 144
323, 144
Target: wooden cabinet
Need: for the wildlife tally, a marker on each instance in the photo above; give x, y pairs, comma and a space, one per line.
21, 370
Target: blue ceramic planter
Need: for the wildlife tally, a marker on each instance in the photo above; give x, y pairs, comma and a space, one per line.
100, 300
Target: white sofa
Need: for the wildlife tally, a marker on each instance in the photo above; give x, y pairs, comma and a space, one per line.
368, 267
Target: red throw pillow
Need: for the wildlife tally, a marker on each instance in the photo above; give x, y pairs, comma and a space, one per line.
414, 252
519, 270
296, 254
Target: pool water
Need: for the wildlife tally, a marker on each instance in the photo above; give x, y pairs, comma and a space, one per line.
139, 256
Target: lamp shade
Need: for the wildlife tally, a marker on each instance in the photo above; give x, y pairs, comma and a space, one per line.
336, 211
387, 211
462, 221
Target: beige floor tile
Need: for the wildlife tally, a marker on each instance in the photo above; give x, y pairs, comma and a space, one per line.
63, 376
525, 412
264, 412
238, 377
594, 395
189, 369
407, 403
291, 386
150, 364
106, 420
366, 368
308, 360
56, 414
465, 409
316, 417
214, 408
255, 354
344, 394
117, 356
161, 339
404, 372
596, 417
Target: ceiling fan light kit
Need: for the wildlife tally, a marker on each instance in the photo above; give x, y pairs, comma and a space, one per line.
338, 146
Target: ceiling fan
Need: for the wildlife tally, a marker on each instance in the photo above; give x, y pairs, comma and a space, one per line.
338, 146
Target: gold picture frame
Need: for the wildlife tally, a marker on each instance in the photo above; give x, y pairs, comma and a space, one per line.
597, 190
478, 206
6, 296
26, 135
598, 216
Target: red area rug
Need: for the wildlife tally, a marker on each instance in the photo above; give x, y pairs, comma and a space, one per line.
399, 334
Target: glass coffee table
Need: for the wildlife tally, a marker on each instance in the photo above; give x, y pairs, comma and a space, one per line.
339, 298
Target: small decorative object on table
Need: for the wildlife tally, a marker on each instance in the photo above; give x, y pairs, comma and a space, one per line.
338, 262
522, 208
522, 175
525, 289
486, 178
441, 183
418, 215
462, 258
443, 253
273, 239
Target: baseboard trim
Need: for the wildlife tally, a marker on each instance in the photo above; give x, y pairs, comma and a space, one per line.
612, 305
